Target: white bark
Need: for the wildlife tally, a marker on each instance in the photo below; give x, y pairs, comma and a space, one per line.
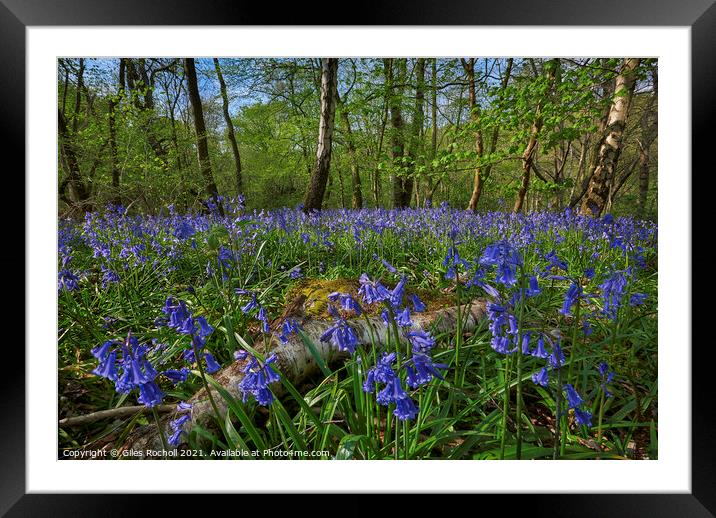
295, 361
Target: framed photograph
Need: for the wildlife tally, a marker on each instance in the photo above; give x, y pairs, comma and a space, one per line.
425, 238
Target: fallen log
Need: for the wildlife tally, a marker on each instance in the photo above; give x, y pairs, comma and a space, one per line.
296, 363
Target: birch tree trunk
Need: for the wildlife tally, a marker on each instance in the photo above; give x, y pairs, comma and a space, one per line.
296, 363
602, 176
319, 175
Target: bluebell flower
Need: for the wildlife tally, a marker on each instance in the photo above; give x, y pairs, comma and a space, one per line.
533, 289
490, 291
204, 328
637, 299
372, 291
107, 367
150, 395
109, 277
555, 261
556, 359
102, 351
341, 335
67, 281
405, 409
612, 292
526, 343
185, 327
421, 341
177, 426
403, 318
607, 376
211, 364
386, 317
393, 392
387, 265
583, 417
540, 351
263, 318
289, 327
295, 273
183, 406
250, 305
382, 372
177, 376
418, 305
256, 380
349, 304
183, 230
137, 377
506, 258
586, 327
570, 298
573, 398
451, 274
396, 296
541, 377
421, 369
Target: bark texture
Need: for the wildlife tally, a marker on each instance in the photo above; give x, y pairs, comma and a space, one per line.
611, 146
321, 169
394, 75
200, 129
296, 363
79, 192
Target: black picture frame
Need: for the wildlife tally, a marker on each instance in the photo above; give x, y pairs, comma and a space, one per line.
700, 15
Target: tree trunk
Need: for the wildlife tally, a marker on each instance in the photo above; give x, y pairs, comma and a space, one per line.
319, 176
78, 95
527, 159
295, 362
610, 148
114, 162
66, 84
580, 167
200, 129
529, 153
649, 123
79, 193
229, 128
357, 195
394, 94
469, 67
381, 138
480, 174
415, 148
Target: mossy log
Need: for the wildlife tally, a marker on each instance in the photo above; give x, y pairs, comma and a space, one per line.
295, 361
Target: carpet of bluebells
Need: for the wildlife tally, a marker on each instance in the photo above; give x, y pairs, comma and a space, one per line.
563, 365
